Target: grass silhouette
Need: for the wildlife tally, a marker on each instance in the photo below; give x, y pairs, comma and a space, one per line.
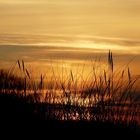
105, 97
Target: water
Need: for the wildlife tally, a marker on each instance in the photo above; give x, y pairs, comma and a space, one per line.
108, 113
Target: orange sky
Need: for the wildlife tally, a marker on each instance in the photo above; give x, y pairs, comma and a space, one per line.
106, 18
97, 24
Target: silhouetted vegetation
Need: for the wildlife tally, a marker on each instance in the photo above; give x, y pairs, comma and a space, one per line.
107, 97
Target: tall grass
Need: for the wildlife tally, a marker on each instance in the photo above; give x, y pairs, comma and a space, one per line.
102, 95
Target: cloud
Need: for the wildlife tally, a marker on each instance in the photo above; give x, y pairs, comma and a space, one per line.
65, 40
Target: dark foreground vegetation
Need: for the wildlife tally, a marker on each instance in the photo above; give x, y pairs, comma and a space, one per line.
17, 115
106, 103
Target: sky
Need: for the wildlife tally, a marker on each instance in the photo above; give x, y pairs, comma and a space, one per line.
104, 18
97, 24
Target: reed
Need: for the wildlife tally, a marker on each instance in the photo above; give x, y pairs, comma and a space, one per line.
103, 95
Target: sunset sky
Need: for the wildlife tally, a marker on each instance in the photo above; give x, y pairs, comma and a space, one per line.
97, 24
106, 18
